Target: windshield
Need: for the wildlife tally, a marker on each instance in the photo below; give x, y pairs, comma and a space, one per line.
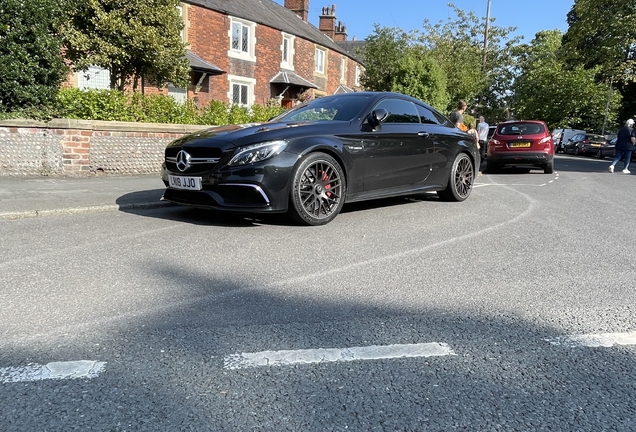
330, 108
595, 138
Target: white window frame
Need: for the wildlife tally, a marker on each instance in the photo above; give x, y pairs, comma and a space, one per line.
250, 54
178, 94
343, 70
182, 32
289, 63
320, 60
250, 83
103, 81
357, 80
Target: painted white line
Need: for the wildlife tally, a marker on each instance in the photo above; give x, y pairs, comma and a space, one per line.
324, 355
595, 340
54, 370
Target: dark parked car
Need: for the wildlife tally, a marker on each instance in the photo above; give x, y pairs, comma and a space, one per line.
607, 149
315, 157
584, 144
521, 143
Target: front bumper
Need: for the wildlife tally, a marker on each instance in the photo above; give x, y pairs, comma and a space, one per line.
256, 188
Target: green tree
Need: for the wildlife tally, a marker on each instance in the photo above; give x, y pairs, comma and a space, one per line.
130, 38
602, 36
31, 65
383, 52
603, 33
481, 78
420, 76
561, 96
394, 62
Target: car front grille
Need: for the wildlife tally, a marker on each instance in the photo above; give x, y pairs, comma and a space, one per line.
200, 159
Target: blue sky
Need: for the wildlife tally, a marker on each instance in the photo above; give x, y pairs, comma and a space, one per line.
360, 15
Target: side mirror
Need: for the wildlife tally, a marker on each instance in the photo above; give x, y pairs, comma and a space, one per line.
376, 117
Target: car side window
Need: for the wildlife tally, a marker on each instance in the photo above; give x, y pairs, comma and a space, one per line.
427, 116
400, 111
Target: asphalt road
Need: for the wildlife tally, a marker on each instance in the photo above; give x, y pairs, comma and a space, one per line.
193, 321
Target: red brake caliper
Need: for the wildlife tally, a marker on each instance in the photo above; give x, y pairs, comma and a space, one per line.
325, 177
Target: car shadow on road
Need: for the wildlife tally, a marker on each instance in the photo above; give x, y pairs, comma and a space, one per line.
570, 163
149, 204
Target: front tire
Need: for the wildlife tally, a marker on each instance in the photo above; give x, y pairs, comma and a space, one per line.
460, 183
318, 190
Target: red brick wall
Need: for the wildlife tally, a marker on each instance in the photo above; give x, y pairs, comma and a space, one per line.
208, 36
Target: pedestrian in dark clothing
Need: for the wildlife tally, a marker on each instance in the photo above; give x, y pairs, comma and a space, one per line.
458, 116
624, 146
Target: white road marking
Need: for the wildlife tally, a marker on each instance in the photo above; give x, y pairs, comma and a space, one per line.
54, 370
595, 340
323, 355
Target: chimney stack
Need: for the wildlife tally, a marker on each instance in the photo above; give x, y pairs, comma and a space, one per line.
327, 23
340, 34
299, 7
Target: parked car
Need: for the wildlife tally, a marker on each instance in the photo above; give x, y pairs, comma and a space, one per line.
584, 144
314, 158
561, 137
521, 143
607, 149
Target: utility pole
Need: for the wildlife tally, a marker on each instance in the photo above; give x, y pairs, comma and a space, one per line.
483, 58
609, 97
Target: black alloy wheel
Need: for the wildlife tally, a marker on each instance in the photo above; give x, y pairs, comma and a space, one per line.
318, 190
576, 151
599, 154
460, 183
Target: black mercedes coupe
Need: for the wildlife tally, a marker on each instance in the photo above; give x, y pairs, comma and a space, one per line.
314, 158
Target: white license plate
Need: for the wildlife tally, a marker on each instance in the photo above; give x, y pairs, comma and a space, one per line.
182, 182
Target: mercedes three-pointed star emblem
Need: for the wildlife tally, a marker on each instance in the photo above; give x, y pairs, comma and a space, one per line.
183, 160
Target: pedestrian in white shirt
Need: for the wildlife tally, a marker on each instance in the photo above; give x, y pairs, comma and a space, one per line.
482, 131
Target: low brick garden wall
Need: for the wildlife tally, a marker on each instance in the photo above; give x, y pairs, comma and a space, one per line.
63, 147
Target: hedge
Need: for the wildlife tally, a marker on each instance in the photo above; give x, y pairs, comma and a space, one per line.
113, 105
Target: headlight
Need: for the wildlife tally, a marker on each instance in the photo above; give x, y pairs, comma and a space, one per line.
257, 152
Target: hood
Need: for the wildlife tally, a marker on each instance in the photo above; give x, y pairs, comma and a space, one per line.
244, 134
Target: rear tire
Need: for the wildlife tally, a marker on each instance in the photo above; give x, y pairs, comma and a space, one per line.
461, 179
491, 167
599, 154
549, 167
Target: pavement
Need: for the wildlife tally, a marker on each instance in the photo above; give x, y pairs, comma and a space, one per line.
40, 196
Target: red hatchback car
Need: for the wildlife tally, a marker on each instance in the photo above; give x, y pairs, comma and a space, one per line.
521, 143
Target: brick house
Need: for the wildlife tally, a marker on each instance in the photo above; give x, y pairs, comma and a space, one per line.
255, 51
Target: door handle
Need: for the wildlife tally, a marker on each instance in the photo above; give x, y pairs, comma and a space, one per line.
423, 134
